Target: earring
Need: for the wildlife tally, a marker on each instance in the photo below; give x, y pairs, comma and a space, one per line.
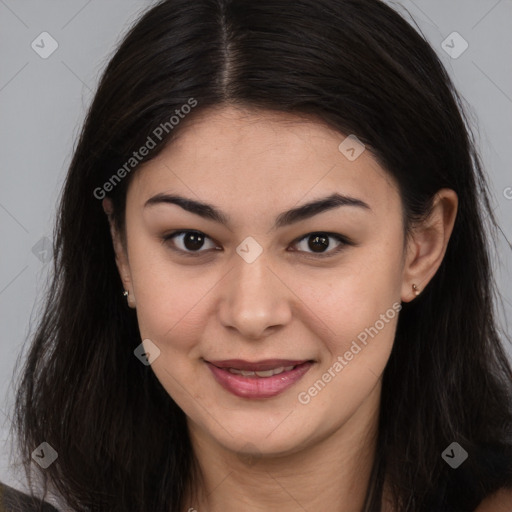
415, 289
131, 302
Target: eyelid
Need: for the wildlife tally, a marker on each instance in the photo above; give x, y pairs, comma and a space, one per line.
342, 239
169, 238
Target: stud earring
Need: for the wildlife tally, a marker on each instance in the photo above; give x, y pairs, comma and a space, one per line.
415, 289
131, 302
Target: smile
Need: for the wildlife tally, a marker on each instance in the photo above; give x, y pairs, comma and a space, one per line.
264, 373
258, 380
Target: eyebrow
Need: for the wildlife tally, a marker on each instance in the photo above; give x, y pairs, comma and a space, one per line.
210, 212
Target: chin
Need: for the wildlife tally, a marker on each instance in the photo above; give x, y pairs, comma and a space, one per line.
255, 433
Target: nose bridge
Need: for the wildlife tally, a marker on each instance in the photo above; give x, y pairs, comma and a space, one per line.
255, 298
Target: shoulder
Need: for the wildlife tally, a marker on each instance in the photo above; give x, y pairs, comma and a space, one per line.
13, 500
500, 501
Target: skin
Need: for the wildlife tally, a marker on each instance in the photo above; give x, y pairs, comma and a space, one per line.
501, 501
273, 454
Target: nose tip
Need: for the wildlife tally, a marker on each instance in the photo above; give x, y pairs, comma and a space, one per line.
255, 300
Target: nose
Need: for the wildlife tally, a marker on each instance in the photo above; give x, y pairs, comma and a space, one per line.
255, 301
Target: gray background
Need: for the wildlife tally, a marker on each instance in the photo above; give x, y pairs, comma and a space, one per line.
43, 103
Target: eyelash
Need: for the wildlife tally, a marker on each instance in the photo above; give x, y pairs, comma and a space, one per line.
344, 241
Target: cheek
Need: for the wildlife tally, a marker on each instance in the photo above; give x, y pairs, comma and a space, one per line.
358, 290
168, 297
358, 303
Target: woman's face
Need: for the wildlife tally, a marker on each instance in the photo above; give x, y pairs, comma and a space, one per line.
258, 286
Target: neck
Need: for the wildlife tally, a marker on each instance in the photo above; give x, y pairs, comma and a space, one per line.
332, 473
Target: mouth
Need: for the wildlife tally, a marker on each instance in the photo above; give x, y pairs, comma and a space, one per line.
261, 379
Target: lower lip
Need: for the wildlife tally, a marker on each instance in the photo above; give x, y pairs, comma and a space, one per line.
258, 387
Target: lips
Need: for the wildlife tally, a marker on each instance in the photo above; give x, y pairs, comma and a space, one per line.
260, 379
258, 366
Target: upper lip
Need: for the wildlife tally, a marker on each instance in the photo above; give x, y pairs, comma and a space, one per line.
266, 364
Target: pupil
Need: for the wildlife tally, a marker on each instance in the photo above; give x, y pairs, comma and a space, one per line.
318, 239
193, 241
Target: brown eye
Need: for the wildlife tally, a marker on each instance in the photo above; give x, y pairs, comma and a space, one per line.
193, 241
318, 243
188, 242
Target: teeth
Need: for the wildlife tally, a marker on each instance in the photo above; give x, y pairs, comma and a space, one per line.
269, 373
265, 373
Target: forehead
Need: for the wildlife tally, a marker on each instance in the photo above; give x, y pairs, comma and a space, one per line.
255, 158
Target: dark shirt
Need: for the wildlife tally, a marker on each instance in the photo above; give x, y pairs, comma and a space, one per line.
12, 500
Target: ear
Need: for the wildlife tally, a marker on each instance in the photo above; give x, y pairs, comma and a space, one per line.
427, 244
121, 256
